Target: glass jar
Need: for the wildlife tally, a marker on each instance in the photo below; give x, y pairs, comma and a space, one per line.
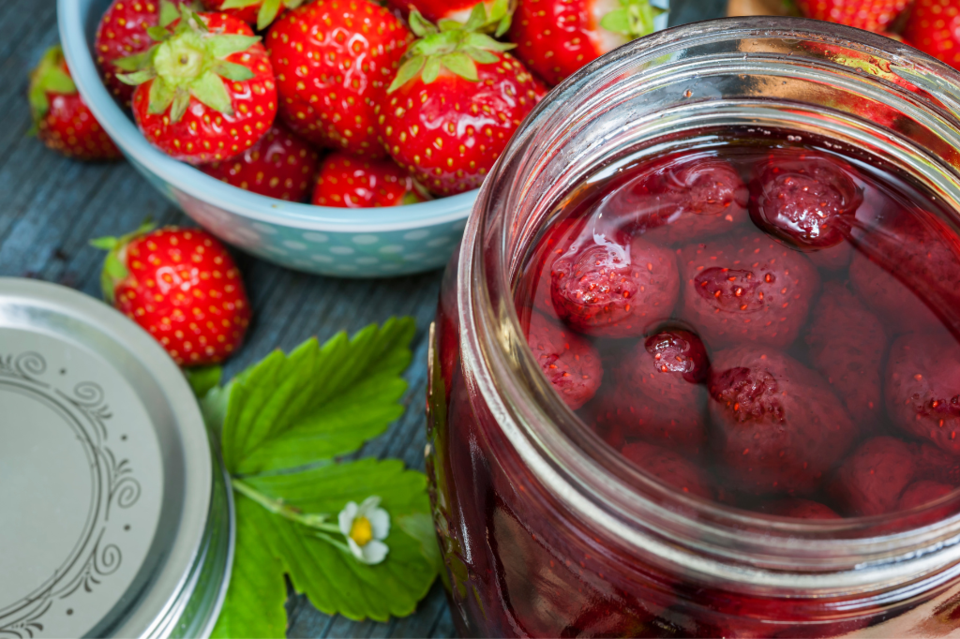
545, 530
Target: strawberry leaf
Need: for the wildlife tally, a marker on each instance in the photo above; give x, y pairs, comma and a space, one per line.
134, 62
210, 90
462, 65
168, 13
161, 97
137, 78
226, 45
431, 70
254, 606
237, 4
420, 26
408, 71
267, 14
235, 72
332, 579
318, 402
180, 103
158, 33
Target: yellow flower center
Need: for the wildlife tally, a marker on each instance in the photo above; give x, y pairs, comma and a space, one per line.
361, 531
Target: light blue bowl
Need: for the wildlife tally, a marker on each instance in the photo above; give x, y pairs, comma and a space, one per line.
317, 239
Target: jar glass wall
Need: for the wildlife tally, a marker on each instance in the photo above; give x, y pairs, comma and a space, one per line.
546, 530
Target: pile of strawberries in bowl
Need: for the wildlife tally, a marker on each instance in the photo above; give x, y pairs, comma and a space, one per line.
342, 104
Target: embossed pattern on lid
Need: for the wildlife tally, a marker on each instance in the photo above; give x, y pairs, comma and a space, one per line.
114, 515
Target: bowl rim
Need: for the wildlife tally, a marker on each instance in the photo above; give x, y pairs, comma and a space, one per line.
72, 19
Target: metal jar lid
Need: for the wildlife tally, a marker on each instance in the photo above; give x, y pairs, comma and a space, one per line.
115, 517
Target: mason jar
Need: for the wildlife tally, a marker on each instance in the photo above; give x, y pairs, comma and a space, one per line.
547, 531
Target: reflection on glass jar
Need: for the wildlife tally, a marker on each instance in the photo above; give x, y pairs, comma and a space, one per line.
695, 369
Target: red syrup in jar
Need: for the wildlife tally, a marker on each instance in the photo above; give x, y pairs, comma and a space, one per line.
759, 323
752, 322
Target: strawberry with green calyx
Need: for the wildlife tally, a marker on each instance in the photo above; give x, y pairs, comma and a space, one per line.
499, 12
454, 104
182, 287
332, 58
206, 90
122, 33
555, 38
61, 119
260, 13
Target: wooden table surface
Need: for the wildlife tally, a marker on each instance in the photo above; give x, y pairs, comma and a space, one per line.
50, 208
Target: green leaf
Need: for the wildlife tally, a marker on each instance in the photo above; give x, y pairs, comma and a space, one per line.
133, 62
158, 33
267, 14
237, 4
334, 581
290, 410
235, 72
214, 406
462, 65
420, 527
181, 101
477, 19
617, 21
254, 606
481, 56
138, 78
203, 380
161, 97
408, 71
168, 13
419, 25
210, 90
431, 70
226, 45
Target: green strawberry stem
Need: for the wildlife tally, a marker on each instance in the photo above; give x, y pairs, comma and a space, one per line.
450, 45
633, 19
49, 76
279, 507
114, 269
189, 62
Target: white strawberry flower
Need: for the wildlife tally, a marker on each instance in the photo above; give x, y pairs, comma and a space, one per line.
365, 527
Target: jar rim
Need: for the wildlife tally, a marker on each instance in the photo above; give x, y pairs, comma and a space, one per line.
539, 426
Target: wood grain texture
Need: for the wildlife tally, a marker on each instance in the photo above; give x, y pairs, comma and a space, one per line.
50, 208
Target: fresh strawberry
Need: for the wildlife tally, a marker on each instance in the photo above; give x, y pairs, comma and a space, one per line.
557, 37
123, 33
808, 200
61, 119
257, 13
933, 26
332, 59
659, 397
454, 105
779, 425
871, 15
182, 286
847, 344
613, 286
570, 363
682, 200
206, 90
670, 468
872, 478
278, 165
354, 182
800, 509
923, 387
748, 288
